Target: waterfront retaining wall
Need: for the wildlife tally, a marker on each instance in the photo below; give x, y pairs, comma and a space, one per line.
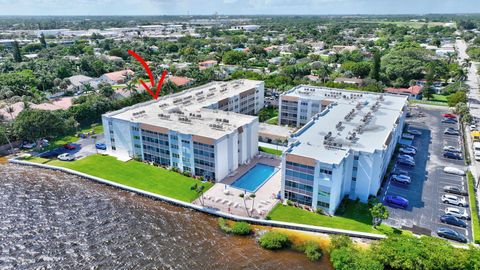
271, 223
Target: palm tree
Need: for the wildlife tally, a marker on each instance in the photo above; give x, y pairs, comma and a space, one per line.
253, 200
242, 195
199, 190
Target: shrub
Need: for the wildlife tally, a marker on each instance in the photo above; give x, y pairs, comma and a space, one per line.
274, 240
238, 228
222, 223
289, 203
241, 228
339, 241
312, 250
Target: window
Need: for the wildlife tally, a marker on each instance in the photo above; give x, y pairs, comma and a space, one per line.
137, 145
174, 146
325, 171
304, 103
174, 137
136, 137
354, 179
323, 204
114, 148
185, 142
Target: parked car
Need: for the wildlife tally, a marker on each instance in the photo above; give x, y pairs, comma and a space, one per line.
476, 155
451, 132
407, 151
405, 162
397, 201
452, 149
408, 136
400, 178
451, 155
452, 235
66, 157
101, 146
453, 170
473, 127
399, 171
455, 200
451, 220
449, 115
449, 120
69, 146
461, 214
414, 132
28, 145
455, 190
403, 156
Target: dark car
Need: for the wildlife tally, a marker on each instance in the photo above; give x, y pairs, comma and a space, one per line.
101, 146
451, 220
452, 235
455, 190
406, 162
397, 201
69, 146
451, 155
449, 120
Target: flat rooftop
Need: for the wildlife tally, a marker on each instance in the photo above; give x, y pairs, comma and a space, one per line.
358, 121
187, 111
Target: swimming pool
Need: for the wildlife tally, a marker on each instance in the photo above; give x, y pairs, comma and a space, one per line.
254, 178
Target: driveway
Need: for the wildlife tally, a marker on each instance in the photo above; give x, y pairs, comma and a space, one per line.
428, 179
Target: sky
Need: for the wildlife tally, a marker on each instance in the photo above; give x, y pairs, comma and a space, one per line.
234, 7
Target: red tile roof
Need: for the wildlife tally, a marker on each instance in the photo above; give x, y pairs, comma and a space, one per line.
412, 90
179, 81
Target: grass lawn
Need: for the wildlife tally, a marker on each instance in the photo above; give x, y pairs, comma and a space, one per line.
356, 218
439, 98
59, 141
474, 208
134, 174
270, 150
431, 102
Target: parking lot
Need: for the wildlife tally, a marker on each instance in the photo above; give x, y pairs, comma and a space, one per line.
428, 178
83, 148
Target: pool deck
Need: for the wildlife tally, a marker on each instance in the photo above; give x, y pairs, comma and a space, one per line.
229, 201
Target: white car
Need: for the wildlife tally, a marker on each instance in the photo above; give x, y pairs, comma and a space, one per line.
477, 155
66, 157
453, 170
407, 151
462, 214
414, 132
452, 149
455, 200
473, 127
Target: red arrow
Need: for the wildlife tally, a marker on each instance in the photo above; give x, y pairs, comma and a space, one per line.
150, 75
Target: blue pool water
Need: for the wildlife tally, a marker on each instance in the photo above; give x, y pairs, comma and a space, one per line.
254, 178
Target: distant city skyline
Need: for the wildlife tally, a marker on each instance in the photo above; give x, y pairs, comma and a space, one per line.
235, 7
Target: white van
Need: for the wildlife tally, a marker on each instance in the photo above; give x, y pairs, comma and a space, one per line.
476, 150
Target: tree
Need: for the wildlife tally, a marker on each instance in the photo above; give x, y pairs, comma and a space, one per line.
252, 196
375, 71
17, 56
33, 124
242, 195
43, 41
233, 57
457, 97
199, 189
379, 213
107, 91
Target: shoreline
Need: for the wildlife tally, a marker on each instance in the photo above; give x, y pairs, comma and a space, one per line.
206, 210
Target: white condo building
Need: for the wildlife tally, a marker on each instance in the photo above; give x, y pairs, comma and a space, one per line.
344, 146
207, 131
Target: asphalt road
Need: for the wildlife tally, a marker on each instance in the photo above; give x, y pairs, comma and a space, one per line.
428, 179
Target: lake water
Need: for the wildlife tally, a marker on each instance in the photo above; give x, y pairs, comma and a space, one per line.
52, 220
